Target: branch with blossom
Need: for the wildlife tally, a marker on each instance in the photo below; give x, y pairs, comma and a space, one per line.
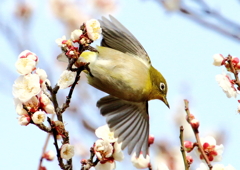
207, 149
35, 98
229, 85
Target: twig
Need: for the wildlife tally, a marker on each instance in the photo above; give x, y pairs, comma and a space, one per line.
186, 164
87, 164
54, 132
196, 133
233, 70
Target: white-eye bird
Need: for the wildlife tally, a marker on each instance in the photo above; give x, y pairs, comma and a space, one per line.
122, 68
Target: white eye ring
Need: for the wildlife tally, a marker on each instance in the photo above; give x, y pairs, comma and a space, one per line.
162, 86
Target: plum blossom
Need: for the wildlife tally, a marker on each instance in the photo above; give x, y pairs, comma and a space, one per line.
19, 107
67, 151
46, 104
42, 74
103, 149
38, 117
218, 59
104, 133
225, 82
75, 35
66, 79
93, 29
25, 87
32, 105
211, 149
118, 154
60, 41
203, 166
26, 62
24, 120
140, 162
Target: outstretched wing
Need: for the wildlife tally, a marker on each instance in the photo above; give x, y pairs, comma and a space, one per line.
117, 37
129, 121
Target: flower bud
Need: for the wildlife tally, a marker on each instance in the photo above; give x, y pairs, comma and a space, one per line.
59, 126
24, 120
218, 59
150, 139
194, 123
188, 146
189, 159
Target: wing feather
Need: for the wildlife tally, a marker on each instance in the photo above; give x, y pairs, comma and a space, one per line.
129, 122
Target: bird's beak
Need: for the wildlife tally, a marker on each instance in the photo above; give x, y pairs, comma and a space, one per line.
165, 101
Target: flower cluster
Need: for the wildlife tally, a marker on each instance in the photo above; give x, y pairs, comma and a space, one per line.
107, 149
29, 90
229, 85
88, 32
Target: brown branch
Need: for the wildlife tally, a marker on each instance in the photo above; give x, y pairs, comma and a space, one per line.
233, 70
186, 164
87, 164
54, 132
196, 133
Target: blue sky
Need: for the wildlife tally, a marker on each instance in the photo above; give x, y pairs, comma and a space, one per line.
180, 49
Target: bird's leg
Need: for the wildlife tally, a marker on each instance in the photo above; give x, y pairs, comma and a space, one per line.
86, 67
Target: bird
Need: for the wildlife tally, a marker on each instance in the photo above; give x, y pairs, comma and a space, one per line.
122, 69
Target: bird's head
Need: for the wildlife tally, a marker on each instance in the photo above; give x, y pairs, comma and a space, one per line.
159, 86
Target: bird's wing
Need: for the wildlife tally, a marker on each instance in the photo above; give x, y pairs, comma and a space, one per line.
129, 121
117, 37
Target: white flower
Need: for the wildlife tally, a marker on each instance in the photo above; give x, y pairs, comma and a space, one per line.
59, 41
33, 104
46, 104
212, 150
67, 151
224, 82
203, 166
104, 133
218, 59
105, 166
118, 154
172, 5
25, 87
140, 162
42, 74
66, 79
75, 35
26, 62
38, 117
103, 149
93, 29
24, 120
19, 107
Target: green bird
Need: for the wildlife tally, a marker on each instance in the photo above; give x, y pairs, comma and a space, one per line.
122, 68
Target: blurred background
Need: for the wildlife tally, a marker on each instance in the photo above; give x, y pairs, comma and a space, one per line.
180, 36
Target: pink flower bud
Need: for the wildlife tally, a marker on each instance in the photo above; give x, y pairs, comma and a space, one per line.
188, 146
189, 159
49, 155
235, 61
84, 161
194, 123
150, 139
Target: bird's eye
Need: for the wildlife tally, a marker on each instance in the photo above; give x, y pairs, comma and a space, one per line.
162, 86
